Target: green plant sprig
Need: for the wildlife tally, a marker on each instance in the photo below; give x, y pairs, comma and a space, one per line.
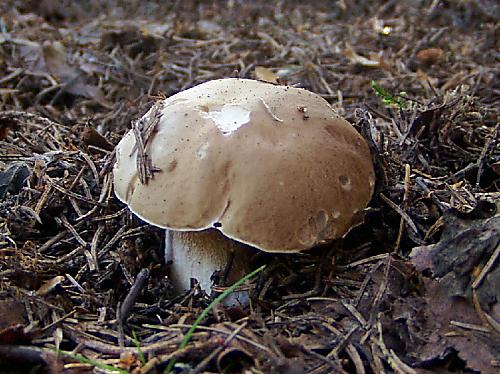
207, 310
98, 364
388, 98
140, 353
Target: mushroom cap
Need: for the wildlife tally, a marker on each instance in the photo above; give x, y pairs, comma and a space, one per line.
271, 166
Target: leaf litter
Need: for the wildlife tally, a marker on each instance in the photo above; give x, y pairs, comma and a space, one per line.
412, 290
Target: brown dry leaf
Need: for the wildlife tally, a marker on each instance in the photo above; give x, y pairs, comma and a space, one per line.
265, 74
17, 334
6, 126
467, 242
234, 359
55, 364
440, 311
426, 79
55, 56
55, 60
419, 329
454, 81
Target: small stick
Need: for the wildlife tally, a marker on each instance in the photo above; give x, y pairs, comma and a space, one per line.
143, 129
72, 230
403, 214
132, 295
405, 206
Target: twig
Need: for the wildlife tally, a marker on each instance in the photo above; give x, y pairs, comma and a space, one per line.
489, 144
336, 367
381, 290
470, 326
405, 206
73, 231
143, 129
365, 261
344, 341
403, 214
208, 328
74, 195
486, 269
133, 293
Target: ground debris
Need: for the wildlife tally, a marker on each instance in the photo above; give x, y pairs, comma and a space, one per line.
467, 244
418, 79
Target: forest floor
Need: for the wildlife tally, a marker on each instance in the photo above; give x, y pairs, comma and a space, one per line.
414, 289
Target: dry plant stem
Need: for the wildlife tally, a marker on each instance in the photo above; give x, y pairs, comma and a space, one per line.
142, 132
405, 206
140, 282
198, 254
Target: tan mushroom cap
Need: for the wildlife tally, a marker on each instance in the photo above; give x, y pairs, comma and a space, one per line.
271, 166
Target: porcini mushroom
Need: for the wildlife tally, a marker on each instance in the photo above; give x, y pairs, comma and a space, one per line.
239, 163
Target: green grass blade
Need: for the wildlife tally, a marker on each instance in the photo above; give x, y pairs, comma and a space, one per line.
97, 364
387, 98
207, 310
140, 353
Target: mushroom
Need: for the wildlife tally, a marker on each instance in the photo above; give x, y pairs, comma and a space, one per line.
239, 165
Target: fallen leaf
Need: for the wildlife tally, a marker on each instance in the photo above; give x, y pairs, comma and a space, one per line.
54, 54
467, 242
234, 360
74, 79
496, 167
449, 321
441, 309
127, 360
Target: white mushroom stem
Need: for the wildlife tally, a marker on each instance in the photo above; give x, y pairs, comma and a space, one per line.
198, 254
